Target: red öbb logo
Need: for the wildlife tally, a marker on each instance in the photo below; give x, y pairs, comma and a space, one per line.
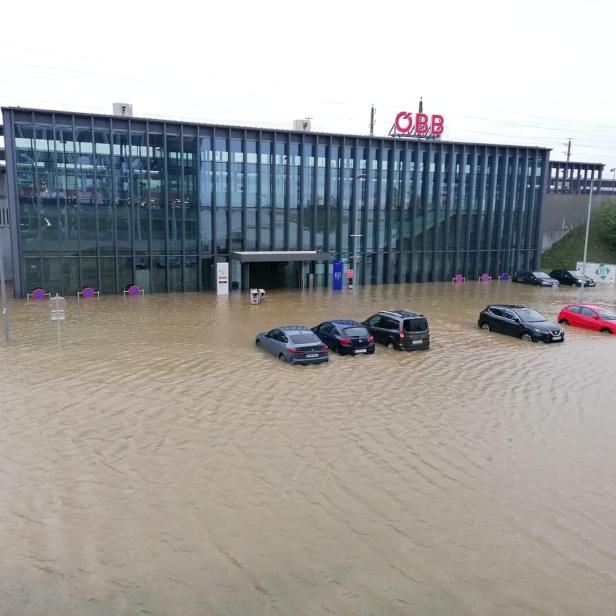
424, 125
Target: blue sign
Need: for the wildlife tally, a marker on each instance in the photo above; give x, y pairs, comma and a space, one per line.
337, 280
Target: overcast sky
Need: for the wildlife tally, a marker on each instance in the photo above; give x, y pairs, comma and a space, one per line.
534, 73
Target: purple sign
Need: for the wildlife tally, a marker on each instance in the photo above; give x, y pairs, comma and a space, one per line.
134, 290
38, 295
88, 292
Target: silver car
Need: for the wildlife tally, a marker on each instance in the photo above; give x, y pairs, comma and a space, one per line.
294, 344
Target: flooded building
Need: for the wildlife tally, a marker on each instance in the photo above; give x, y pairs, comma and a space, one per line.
112, 200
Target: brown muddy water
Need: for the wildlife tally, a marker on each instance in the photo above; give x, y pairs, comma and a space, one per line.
154, 462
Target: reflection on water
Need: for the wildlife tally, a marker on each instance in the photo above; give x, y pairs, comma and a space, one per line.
158, 463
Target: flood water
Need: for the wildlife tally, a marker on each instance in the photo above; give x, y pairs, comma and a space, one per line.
153, 461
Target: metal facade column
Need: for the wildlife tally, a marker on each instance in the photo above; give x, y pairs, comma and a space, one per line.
543, 183
530, 185
287, 192
459, 204
258, 224
300, 200
228, 199
183, 210
491, 202
244, 204
17, 256
214, 200
415, 199
404, 175
95, 188
425, 170
315, 189
470, 211
449, 173
439, 251
512, 200
198, 199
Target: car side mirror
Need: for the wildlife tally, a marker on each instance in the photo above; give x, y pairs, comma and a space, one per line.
516, 319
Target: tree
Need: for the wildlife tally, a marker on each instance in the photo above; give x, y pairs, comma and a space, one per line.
605, 222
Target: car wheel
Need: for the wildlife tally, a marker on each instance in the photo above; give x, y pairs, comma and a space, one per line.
537, 284
564, 322
486, 326
527, 337
257, 342
282, 358
391, 344
605, 330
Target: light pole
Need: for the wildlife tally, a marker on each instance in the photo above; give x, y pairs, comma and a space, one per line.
356, 238
586, 239
613, 170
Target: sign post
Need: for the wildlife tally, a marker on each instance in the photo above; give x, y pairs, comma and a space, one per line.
58, 313
222, 278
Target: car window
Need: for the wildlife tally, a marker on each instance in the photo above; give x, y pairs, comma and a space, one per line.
587, 312
540, 275
272, 333
497, 312
529, 315
574, 274
609, 315
575, 309
303, 338
415, 325
326, 328
374, 321
508, 315
387, 323
336, 331
355, 331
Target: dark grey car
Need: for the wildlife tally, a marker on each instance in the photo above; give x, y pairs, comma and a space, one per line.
294, 344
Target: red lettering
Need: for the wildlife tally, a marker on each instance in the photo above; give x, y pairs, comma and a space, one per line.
438, 125
421, 124
404, 122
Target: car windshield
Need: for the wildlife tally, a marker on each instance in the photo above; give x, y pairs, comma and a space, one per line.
415, 325
540, 275
575, 273
529, 315
355, 331
609, 315
303, 338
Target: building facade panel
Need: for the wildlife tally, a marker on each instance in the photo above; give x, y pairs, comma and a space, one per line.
107, 202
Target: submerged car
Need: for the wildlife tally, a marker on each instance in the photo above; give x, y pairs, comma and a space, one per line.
521, 322
345, 336
589, 316
572, 277
294, 344
541, 279
399, 329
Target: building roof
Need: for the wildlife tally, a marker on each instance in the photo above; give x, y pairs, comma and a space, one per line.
268, 129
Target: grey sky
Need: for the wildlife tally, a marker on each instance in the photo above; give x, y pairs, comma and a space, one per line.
525, 72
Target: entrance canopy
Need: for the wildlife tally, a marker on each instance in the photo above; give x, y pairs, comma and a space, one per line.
280, 255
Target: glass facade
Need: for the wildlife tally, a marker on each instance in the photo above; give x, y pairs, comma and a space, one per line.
108, 202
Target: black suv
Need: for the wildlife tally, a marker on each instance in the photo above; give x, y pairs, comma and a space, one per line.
399, 329
541, 279
572, 277
520, 322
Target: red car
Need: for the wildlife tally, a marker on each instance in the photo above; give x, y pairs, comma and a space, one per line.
589, 316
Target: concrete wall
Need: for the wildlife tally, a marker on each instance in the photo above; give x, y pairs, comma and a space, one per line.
563, 212
5, 238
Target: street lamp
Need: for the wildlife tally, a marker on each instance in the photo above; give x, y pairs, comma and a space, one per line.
613, 170
586, 238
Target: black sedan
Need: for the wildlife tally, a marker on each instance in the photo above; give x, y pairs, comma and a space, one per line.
541, 279
345, 336
572, 277
521, 322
